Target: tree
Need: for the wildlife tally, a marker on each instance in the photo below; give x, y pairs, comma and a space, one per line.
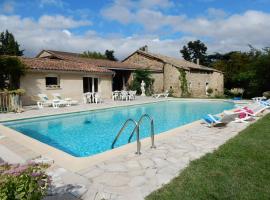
248, 70
110, 55
195, 50
8, 45
93, 54
11, 69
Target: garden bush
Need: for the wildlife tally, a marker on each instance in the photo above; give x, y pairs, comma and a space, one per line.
267, 94
210, 91
21, 182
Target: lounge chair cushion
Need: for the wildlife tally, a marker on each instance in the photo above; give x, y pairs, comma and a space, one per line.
209, 120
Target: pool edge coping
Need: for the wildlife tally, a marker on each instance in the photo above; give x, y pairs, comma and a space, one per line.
76, 164
112, 106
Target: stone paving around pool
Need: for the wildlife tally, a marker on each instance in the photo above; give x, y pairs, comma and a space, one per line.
130, 176
134, 177
34, 111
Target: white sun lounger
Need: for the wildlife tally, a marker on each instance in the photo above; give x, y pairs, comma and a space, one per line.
266, 103
245, 119
256, 111
215, 121
258, 98
165, 94
66, 101
44, 101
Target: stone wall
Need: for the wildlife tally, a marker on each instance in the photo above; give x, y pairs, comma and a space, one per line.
196, 81
217, 83
169, 79
71, 85
158, 82
150, 64
145, 61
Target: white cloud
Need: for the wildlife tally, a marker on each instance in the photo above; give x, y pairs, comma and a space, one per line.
59, 21
216, 13
155, 3
67, 32
223, 31
223, 34
127, 11
34, 37
118, 13
58, 3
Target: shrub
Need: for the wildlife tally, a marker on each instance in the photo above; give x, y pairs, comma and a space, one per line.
267, 94
139, 76
210, 91
18, 91
23, 182
171, 91
237, 91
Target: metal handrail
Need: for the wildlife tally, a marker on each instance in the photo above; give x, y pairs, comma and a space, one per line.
152, 129
135, 129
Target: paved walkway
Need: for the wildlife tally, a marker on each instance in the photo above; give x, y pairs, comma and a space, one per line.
134, 177
34, 111
130, 176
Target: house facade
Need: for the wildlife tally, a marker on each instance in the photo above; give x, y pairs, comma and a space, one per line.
198, 78
71, 75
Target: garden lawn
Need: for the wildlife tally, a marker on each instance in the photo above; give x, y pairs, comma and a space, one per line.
239, 169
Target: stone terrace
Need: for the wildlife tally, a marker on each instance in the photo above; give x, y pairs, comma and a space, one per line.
130, 176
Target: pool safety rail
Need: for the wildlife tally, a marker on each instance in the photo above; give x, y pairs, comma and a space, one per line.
137, 130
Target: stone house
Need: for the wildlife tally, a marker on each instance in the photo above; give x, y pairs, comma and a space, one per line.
198, 78
72, 75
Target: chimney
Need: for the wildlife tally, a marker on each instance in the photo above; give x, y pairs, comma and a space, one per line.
198, 61
146, 48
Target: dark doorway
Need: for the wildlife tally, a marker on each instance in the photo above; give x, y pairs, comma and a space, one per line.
90, 84
120, 79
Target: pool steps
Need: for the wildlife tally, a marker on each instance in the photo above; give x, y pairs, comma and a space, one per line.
137, 130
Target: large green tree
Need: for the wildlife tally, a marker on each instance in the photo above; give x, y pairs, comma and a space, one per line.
110, 55
248, 70
195, 50
8, 45
11, 69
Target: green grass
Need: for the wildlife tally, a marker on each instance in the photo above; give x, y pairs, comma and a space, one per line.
239, 169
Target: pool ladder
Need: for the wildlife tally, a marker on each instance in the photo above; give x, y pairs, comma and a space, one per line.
137, 130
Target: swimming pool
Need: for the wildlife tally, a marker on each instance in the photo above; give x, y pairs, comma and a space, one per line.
92, 132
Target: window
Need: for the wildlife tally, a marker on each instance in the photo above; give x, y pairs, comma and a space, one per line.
52, 82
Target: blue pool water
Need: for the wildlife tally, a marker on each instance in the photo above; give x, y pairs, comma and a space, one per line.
89, 133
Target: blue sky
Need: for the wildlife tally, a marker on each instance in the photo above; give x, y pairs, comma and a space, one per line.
125, 25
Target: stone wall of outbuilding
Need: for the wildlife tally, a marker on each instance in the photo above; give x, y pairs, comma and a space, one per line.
169, 79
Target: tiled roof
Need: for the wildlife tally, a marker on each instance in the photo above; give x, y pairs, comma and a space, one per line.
102, 63
180, 63
61, 65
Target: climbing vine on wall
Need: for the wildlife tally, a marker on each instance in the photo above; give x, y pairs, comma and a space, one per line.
183, 83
